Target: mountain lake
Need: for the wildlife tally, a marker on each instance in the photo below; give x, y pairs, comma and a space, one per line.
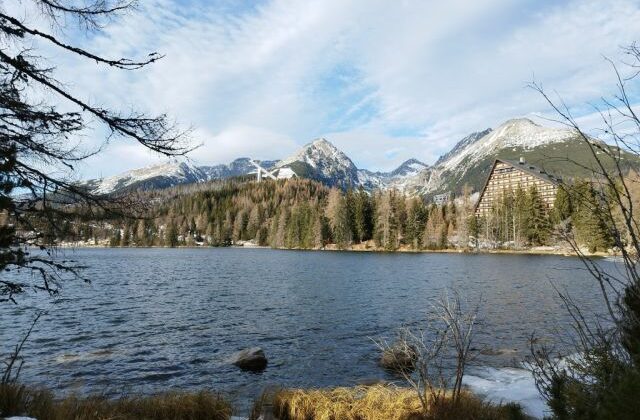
157, 319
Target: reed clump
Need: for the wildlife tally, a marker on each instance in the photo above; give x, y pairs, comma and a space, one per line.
386, 402
18, 400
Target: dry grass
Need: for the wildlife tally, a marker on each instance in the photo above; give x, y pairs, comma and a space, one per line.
18, 400
381, 402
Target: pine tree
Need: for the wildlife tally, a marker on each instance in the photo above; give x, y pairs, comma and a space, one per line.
475, 224
539, 227
226, 232
521, 217
362, 216
263, 236
171, 235
386, 225
399, 204
416, 222
562, 208
141, 234
193, 231
465, 218
338, 216
240, 221
435, 234
281, 232
254, 222
589, 218
115, 239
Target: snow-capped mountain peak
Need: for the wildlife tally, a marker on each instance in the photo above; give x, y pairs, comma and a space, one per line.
318, 152
322, 161
514, 133
409, 167
462, 144
160, 175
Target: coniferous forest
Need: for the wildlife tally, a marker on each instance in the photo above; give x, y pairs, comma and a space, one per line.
304, 214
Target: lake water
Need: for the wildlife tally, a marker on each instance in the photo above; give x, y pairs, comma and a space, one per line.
159, 319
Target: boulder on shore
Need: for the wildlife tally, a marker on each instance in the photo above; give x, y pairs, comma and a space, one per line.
400, 357
251, 359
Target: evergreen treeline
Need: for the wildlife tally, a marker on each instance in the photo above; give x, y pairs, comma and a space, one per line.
301, 213
521, 218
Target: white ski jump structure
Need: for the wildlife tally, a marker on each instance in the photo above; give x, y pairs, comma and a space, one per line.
260, 170
283, 173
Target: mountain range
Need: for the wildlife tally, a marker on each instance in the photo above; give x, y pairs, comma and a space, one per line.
468, 162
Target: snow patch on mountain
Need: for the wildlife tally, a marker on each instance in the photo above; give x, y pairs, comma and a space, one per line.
239, 167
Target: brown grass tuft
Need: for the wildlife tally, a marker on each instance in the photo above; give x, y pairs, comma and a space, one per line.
18, 400
382, 402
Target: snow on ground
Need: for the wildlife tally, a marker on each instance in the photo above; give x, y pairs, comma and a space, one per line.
507, 385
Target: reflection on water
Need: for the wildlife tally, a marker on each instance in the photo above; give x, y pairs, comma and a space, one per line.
155, 319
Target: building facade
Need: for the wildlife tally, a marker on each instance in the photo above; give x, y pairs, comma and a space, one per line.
507, 175
442, 199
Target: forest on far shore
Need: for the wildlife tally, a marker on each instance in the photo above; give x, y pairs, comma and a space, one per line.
305, 214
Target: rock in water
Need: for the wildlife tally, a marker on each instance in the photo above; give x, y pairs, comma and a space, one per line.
252, 359
400, 357
498, 352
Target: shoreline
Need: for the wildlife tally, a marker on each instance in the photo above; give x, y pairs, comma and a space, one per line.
563, 252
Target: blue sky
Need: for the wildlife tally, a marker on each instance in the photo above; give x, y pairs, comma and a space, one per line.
383, 80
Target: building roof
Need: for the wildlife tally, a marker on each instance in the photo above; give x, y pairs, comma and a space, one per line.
532, 170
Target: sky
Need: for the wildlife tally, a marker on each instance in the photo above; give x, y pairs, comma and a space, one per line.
384, 81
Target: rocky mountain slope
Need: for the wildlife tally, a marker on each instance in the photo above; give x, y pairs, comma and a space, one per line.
322, 161
239, 167
164, 175
467, 163
170, 174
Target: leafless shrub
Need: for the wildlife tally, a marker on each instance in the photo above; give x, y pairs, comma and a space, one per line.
446, 341
14, 362
605, 347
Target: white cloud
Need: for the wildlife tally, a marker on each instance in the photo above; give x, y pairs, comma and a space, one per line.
374, 150
384, 80
242, 141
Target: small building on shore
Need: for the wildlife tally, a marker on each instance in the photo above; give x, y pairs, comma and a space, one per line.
506, 175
